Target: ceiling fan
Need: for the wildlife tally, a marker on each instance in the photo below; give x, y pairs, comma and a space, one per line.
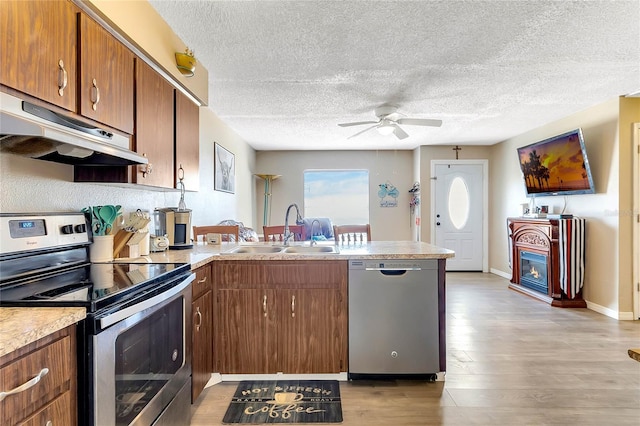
388, 120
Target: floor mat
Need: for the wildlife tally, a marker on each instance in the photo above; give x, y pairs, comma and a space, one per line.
285, 401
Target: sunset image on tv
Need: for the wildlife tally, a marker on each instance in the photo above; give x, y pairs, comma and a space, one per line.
555, 166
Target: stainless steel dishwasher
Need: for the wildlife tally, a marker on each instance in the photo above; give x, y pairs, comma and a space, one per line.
393, 319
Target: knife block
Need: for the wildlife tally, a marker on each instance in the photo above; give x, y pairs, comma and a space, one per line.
119, 241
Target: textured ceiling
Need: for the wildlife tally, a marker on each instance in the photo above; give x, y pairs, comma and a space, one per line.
283, 74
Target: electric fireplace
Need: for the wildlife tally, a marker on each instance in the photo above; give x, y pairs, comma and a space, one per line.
533, 271
547, 259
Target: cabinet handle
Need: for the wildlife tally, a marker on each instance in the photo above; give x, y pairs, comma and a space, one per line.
264, 305
23, 387
204, 280
199, 314
147, 168
62, 78
95, 95
293, 306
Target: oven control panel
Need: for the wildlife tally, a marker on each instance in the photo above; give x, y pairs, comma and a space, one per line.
20, 232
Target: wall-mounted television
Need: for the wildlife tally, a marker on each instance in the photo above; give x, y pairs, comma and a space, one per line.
556, 166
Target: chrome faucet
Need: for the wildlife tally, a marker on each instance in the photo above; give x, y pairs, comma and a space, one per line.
287, 233
314, 242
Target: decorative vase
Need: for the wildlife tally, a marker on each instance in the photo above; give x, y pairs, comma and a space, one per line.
186, 63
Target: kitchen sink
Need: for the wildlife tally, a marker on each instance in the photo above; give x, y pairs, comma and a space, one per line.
311, 249
283, 250
254, 250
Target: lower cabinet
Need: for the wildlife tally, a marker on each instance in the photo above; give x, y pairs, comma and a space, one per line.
280, 316
49, 400
201, 332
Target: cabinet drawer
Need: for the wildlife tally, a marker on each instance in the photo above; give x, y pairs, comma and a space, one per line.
57, 412
57, 358
202, 283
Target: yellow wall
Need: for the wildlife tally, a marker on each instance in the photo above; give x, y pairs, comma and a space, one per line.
607, 133
141, 25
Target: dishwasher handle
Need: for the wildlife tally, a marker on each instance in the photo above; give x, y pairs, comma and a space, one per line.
392, 271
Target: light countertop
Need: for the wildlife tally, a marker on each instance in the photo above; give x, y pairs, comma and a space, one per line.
202, 253
21, 326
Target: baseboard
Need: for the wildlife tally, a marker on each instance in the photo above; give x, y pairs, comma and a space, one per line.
500, 273
621, 316
279, 376
214, 380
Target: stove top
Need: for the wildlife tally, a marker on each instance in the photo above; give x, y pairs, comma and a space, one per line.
93, 286
44, 261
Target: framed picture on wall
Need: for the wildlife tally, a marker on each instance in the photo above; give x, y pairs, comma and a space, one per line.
224, 177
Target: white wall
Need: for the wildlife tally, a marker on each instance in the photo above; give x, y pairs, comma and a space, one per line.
396, 167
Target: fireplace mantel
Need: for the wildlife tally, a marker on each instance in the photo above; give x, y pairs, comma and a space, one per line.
539, 236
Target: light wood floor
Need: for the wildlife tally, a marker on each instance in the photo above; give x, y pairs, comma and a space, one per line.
511, 360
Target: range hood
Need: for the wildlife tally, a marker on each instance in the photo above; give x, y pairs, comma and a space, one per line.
36, 132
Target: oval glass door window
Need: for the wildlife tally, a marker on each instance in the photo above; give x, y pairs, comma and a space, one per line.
459, 202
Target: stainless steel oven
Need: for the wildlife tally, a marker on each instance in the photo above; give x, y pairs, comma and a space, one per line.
134, 354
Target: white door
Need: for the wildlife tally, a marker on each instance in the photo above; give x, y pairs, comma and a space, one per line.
458, 213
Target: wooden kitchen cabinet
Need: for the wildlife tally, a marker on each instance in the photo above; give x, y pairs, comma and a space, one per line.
187, 125
38, 50
154, 127
52, 399
106, 77
284, 316
202, 333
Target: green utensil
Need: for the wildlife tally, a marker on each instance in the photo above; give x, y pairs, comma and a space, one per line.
108, 214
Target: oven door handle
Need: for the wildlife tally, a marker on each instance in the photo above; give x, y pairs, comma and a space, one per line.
139, 307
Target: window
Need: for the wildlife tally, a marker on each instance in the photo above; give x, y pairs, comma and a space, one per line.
341, 195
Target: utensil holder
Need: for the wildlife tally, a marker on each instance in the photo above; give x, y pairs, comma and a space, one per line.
101, 250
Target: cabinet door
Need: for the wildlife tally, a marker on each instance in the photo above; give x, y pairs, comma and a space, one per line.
106, 77
245, 341
188, 141
57, 412
38, 49
202, 344
310, 331
154, 126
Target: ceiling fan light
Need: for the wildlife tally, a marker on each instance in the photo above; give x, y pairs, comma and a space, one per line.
385, 129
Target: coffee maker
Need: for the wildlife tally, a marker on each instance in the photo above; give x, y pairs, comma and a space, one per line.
175, 223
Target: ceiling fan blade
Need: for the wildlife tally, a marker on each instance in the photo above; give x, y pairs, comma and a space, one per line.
420, 122
362, 131
356, 123
400, 134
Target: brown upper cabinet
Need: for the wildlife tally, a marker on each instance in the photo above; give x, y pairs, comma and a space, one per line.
106, 77
44, 43
187, 142
38, 50
154, 127
53, 51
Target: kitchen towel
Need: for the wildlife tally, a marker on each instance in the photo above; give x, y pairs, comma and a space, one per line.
285, 401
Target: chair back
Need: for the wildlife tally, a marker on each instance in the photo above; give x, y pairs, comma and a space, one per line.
352, 234
276, 233
225, 230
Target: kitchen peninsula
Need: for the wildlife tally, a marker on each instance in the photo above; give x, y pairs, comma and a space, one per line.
290, 302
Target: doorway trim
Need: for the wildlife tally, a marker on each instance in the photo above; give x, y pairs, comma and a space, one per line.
636, 221
485, 203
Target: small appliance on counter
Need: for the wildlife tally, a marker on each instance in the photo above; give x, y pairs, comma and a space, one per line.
175, 225
175, 222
